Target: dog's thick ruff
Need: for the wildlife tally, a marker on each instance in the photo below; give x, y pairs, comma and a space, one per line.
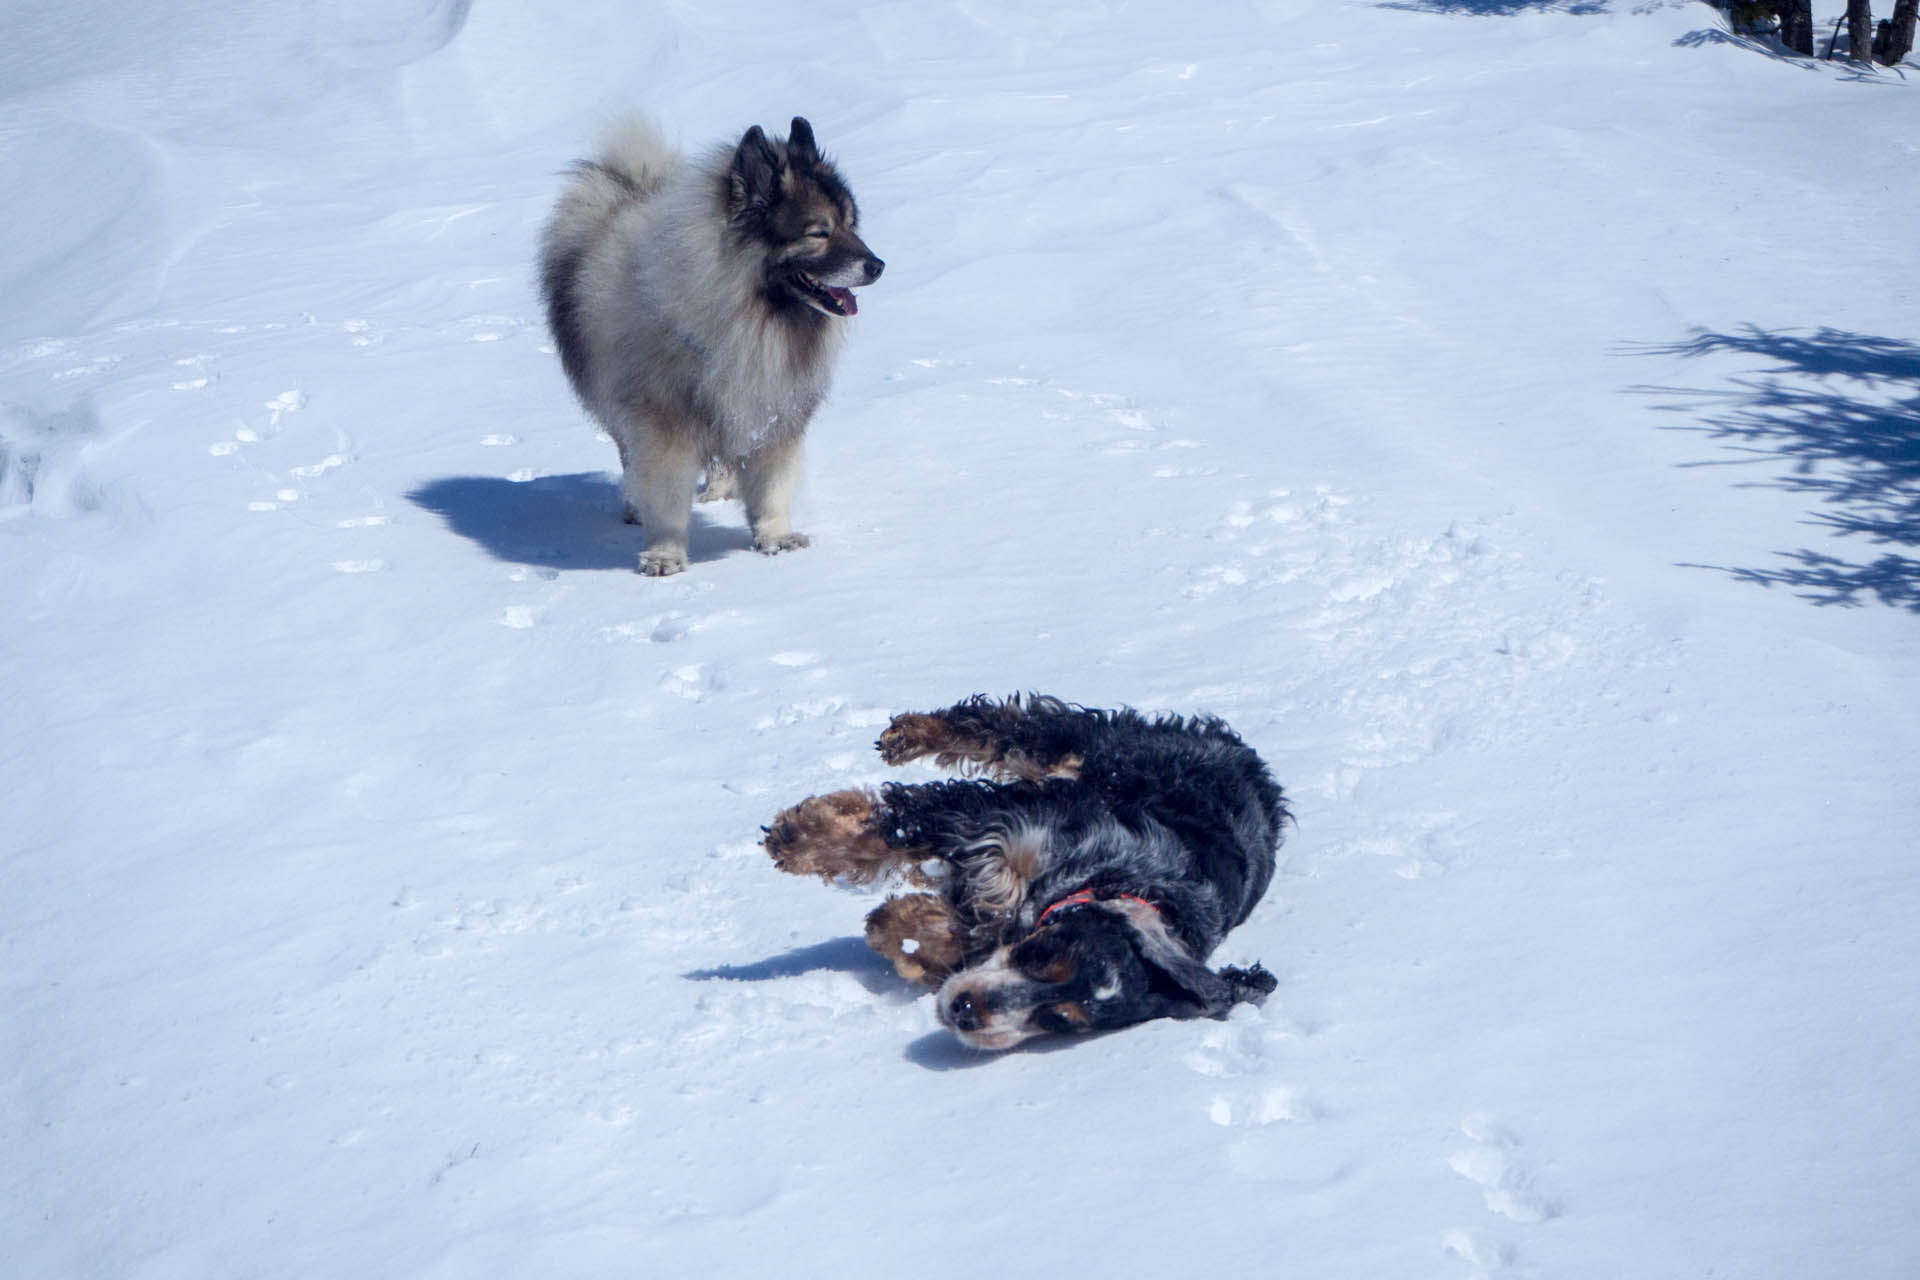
1161, 831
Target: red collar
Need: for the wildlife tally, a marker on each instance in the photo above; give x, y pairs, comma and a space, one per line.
1088, 895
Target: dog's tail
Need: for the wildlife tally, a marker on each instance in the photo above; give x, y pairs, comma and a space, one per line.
634, 154
634, 160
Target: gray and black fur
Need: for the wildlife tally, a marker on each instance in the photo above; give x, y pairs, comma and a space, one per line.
697, 307
1081, 885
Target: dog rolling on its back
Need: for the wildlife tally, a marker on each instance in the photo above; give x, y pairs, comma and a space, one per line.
1079, 885
697, 306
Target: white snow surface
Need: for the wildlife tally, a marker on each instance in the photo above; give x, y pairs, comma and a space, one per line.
1505, 415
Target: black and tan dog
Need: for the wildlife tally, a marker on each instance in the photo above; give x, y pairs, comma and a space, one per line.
1080, 885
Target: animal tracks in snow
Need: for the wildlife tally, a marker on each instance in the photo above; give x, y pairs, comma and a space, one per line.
1416, 849
1123, 412
694, 681
193, 375
1256, 1115
1235, 1055
1461, 638
1107, 423
494, 328
283, 404
1266, 1106
254, 445
321, 467
1493, 1163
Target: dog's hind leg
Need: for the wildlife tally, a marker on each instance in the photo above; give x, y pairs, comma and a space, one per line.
660, 469
839, 836
919, 934
1027, 739
629, 474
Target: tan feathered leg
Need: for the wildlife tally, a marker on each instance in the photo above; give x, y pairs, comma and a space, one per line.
919, 934
835, 837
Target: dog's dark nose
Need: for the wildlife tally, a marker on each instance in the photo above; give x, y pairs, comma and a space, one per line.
874, 268
963, 1013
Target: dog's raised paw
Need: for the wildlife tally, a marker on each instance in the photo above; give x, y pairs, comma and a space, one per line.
918, 935
913, 734
829, 836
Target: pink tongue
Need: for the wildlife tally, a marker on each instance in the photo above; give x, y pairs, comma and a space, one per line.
845, 298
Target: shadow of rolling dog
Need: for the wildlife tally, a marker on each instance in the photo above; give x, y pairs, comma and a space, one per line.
849, 955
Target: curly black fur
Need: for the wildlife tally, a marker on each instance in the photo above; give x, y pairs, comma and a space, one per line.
1149, 838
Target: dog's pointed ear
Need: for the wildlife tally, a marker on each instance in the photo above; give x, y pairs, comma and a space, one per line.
755, 180
800, 145
1186, 988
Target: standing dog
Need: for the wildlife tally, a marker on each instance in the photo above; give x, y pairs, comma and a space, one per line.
1083, 889
697, 307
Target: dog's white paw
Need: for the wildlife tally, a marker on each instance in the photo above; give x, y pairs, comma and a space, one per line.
663, 563
773, 546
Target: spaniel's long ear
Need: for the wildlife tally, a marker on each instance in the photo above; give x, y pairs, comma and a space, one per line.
1250, 985
1183, 987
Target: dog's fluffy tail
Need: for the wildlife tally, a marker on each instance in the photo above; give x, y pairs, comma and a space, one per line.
634, 153
634, 159
633, 162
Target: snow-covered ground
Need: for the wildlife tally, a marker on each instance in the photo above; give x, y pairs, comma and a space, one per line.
1506, 415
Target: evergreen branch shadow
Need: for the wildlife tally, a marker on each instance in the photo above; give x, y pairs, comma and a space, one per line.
1767, 46
1498, 8
1840, 411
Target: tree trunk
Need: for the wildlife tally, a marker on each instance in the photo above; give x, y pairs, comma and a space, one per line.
1894, 40
1860, 31
1796, 25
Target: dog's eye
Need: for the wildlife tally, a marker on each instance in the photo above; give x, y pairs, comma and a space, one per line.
1062, 1017
1058, 969
818, 233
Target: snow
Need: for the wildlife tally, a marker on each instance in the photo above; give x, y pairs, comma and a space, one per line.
1499, 413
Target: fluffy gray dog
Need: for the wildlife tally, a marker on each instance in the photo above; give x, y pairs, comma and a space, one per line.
697, 307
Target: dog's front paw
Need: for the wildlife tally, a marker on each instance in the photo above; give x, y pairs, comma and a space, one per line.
774, 544
829, 836
913, 734
663, 562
